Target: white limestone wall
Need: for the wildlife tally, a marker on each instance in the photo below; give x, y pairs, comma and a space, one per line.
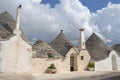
8, 56
106, 64
86, 58
72, 52
14, 55
118, 62
24, 57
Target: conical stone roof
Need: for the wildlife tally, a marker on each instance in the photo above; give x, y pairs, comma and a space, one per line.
42, 49
7, 25
116, 48
97, 48
61, 44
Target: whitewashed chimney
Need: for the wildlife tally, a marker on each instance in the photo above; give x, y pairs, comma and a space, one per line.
82, 40
17, 27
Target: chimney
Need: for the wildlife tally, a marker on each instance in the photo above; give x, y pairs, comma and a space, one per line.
82, 40
17, 27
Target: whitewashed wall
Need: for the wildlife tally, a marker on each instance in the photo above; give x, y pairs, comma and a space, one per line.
118, 62
15, 55
106, 64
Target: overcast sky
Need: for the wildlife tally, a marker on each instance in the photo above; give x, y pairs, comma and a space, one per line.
41, 21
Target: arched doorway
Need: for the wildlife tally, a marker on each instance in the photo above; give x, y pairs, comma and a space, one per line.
73, 62
114, 62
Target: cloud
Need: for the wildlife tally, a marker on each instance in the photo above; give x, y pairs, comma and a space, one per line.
36, 1
45, 22
107, 20
40, 21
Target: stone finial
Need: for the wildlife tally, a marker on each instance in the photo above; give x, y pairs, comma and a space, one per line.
81, 29
61, 30
20, 6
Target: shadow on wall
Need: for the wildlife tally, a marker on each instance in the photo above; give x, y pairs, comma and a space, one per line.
0, 64
114, 62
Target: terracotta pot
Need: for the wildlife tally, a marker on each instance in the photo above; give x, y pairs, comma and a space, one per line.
91, 69
52, 71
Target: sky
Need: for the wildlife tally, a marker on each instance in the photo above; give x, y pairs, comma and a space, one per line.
93, 5
43, 19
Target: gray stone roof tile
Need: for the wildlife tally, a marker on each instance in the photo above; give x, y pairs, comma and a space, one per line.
7, 25
97, 48
116, 48
61, 44
42, 48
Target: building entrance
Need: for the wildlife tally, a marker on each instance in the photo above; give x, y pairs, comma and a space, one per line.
73, 63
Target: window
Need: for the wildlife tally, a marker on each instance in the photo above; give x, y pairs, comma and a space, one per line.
50, 55
82, 57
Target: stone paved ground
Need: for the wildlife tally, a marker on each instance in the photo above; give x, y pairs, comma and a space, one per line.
78, 76
16, 77
112, 78
64, 76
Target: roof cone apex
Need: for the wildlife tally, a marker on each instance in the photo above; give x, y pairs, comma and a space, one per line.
20, 6
61, 31
6, 14
81, 29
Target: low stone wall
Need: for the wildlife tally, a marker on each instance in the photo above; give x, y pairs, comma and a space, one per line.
40, 65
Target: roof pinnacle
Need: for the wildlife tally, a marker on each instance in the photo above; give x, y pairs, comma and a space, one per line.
61, 30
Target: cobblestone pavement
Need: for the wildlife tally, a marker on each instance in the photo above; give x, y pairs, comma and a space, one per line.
81, 76
112, 78
64, 76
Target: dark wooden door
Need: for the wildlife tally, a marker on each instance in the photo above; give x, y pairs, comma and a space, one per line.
71, 63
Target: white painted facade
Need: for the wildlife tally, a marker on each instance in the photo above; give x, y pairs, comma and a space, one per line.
109, 64
15, 55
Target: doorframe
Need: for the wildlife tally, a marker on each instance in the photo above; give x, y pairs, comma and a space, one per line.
74, 63
114, 62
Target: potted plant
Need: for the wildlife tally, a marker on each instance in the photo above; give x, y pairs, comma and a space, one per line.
52, 69
91, 66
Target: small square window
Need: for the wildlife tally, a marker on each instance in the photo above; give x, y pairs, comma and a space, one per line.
82, 57
50, 55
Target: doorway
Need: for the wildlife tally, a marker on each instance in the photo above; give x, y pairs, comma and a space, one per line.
114, 62
73, 62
